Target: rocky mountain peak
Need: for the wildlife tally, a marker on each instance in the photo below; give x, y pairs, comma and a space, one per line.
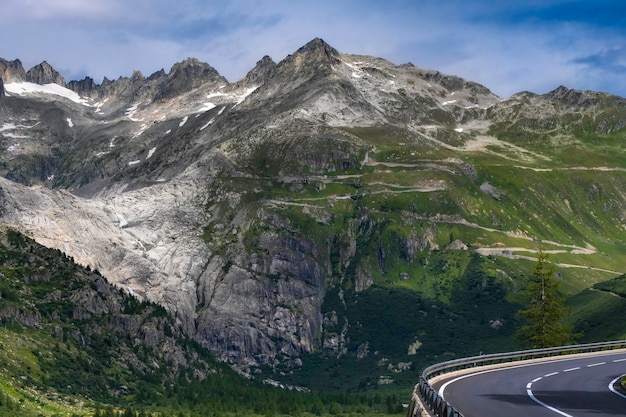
44, 74
193, 68
84, 88
156, 75
187, 75
263, 70
314, 60
572, 97
12, 71
319, 48
137, 76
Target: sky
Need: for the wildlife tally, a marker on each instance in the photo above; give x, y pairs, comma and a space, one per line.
508, 46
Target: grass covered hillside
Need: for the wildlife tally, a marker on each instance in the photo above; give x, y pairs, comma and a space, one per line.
72, 344
428, 240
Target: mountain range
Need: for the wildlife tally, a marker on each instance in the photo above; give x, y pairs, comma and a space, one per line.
328, 211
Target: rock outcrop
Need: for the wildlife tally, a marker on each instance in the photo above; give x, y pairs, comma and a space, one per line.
44, 74
187, 75
85, 87
12, 71
261, 72
240, 206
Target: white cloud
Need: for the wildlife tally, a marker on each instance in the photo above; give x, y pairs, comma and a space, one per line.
57, 9
113, 37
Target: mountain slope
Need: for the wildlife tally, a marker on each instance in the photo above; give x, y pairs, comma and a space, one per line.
68, 334
276, 215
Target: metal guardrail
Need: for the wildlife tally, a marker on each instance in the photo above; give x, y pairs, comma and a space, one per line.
441, 408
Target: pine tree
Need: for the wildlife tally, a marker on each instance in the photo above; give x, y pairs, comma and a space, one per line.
545, 316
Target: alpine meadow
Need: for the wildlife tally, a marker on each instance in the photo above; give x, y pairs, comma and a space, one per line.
302, 241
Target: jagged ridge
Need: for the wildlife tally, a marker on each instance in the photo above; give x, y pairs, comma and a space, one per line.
252, 209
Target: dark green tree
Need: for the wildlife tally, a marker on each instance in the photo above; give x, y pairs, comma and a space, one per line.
545, 315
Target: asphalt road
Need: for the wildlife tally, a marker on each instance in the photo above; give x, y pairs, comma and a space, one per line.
572, 387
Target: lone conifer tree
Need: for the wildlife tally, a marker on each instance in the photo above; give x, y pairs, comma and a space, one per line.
545, 316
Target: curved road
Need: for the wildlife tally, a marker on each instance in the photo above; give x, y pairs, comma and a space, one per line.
569, 387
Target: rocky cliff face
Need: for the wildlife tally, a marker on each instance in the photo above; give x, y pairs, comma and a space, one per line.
42, 289
12, 71
44, 74
241, 206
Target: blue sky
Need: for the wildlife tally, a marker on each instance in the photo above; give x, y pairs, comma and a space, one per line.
508, 46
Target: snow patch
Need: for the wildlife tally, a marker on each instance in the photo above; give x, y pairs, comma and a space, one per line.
15, 136
69, 122
134, 162
458, 129
206, 107
132, 292
216, 95
356, 71
112, 142
7, 126
445, 103
142, 129
208, 124
99, 105
99, 154
26, 88
151, 152
13, 148
168, 132
242, 97
221, 110
122, 221
130, 112
182, 122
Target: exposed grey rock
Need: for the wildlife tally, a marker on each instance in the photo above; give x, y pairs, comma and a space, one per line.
186, 75
263, 70
44, 74
12, 71
1, 88
171, 185
457, 245
491, 190
85, 87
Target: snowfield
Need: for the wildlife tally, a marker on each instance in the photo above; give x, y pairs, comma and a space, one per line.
26, 88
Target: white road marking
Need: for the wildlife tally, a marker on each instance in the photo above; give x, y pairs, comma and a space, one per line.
551, 374
529, 391
596, 364
613, 390
541, 403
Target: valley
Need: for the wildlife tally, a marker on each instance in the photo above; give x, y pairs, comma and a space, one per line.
333, 222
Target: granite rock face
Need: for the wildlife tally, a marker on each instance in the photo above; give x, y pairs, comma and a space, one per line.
12, 71
238, 206
85, 87
187, 75
44, 74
